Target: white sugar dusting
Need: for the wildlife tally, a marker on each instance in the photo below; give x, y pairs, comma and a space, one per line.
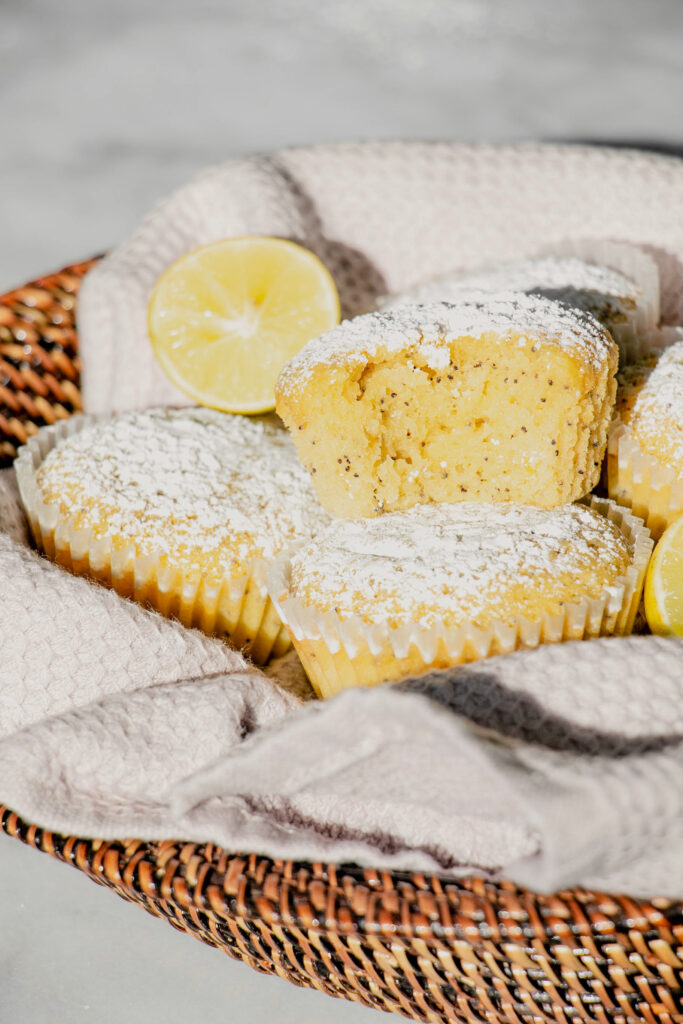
659, 405
424, 333
570, 280
453, 562
192, 478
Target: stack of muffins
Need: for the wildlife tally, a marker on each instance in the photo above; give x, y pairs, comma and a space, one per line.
431, 502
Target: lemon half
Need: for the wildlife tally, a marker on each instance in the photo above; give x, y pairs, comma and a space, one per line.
225, 318
664, 583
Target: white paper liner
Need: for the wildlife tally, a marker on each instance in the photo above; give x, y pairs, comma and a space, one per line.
338, 653
638, 481
236, 608
634, 335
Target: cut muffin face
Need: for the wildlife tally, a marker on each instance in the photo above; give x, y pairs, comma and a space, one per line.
504, 399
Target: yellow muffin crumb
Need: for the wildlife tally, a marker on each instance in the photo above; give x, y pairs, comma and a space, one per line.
503, 399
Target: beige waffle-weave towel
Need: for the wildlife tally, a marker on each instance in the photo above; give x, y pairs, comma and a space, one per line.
383, 217
552, 767
68, 647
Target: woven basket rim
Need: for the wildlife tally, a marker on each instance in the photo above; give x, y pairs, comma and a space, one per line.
366, 901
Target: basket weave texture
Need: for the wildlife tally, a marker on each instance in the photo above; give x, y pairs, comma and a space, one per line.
428, 948
39, 367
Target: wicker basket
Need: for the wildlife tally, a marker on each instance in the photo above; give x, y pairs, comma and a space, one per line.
428, 948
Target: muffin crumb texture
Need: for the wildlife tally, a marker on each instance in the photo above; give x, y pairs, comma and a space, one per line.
504, 399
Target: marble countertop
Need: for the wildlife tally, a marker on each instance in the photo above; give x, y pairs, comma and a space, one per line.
106, 107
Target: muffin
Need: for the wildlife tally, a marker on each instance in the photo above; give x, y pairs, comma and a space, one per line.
645, 453
176, 509
384, 598
628, 310
503, 399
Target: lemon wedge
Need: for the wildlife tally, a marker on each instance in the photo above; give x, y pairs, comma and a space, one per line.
664, 583
225, 318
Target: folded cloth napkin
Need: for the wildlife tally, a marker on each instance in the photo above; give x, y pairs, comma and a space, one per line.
551, 767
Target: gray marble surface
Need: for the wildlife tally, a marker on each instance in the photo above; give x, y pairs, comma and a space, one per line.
107, 106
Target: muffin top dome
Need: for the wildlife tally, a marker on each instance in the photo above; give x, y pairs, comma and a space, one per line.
604, 292
457, 563
423, 332
214, 490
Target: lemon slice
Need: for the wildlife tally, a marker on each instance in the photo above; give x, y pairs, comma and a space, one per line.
225, 318
664, 583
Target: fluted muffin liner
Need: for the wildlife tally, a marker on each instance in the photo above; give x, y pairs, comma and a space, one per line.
237, 608
640, 482
634, 334
339, 653
652, 490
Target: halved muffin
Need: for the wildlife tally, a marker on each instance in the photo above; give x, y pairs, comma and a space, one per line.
507, 398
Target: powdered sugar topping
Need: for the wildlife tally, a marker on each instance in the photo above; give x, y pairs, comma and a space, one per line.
569, 280
424, 333
191, 480
658, 409
459, 562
